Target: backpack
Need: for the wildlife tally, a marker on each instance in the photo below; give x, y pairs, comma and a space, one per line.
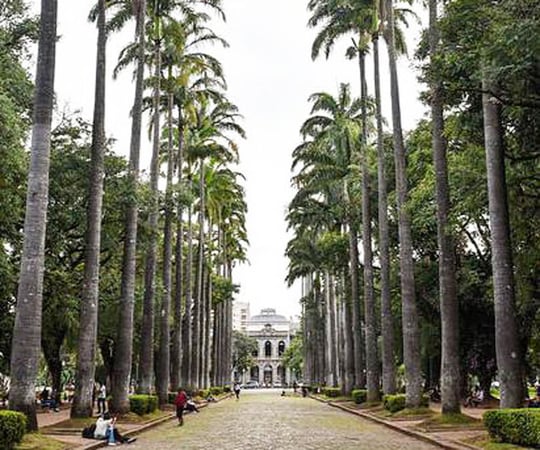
88, 432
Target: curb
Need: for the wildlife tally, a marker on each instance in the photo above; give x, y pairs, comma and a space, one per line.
448, 445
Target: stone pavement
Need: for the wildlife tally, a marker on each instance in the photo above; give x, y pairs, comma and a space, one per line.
262, 420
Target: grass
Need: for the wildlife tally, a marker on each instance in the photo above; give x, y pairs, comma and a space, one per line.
450, 421
135, 418
78, 423
414, 412
487, 444
37, 441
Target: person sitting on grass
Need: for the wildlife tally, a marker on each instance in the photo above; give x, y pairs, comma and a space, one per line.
191, 406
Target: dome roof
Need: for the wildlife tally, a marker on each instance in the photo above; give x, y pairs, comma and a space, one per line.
268, 315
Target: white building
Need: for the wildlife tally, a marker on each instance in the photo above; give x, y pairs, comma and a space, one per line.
240, 316
273, 334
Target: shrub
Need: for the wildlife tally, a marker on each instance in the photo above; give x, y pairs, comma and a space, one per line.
12, 428
514, 426
216, 390
394, 403
332, 392
143, 404
153, 403
359, 395
171, 397
226, 389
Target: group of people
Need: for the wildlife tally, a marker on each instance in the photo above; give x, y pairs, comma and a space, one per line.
184, 402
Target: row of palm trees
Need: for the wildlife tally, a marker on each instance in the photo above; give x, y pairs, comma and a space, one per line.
333, 199
197, 223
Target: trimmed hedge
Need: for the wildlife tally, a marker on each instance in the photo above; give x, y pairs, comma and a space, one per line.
395, 403
216, 390
143, 404
359, 395
331, 392
514, 426
12, 428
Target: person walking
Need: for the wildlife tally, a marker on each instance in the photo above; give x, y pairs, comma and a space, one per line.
236, 389
180, 403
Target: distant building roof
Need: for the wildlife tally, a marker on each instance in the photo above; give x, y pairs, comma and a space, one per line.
268, 315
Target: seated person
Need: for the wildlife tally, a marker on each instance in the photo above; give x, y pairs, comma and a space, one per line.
48, 402
476, 398
534, 402
191, 406
104, 424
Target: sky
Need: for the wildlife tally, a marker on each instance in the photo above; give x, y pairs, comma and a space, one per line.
270, 76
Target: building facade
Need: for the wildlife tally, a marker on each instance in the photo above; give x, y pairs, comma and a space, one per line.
273, 333
240, 316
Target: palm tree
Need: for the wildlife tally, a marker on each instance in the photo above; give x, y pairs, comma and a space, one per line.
84, 386
387, 320
124, 345
506, 332
27, 330
450, 377
411, 335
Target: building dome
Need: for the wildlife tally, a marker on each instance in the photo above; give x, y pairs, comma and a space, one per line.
268, 315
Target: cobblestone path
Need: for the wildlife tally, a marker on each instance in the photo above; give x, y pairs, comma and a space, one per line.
262, 420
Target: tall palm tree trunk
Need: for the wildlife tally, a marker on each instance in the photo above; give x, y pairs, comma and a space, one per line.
411, 334
387, 322
177, 349
124, 346
506, 335
147, 331
86, 355
330, 323
208, 324
163, 375
197, 320
188, 314
450, 373
26, 342
372, 363
358, 351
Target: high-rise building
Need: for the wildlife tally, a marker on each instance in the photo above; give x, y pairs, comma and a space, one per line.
240, 316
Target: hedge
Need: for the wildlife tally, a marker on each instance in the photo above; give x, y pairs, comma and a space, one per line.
12, 428
143, 404
395, 403
359, 395
332, 392
216, 390
514, 426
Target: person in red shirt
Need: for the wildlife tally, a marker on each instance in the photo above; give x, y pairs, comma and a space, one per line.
180, 403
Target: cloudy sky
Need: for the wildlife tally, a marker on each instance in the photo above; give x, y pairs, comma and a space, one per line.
270, 75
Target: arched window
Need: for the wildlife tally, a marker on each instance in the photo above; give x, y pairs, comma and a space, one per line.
268, 349
281, 348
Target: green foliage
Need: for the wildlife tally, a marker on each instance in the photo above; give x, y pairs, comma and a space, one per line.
12, 428
395, 403
514, 426
359, 395
293, 357
243, 348
332, 392
143, 404
216, 390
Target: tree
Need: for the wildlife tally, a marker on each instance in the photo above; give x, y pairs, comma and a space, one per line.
124, 346
243, 348
411, 337
86, 355
450, 374
27, 329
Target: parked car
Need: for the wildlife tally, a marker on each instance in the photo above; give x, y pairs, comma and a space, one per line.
252, 384
277, 384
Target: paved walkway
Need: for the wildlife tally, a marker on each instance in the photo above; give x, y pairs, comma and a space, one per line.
264, 420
